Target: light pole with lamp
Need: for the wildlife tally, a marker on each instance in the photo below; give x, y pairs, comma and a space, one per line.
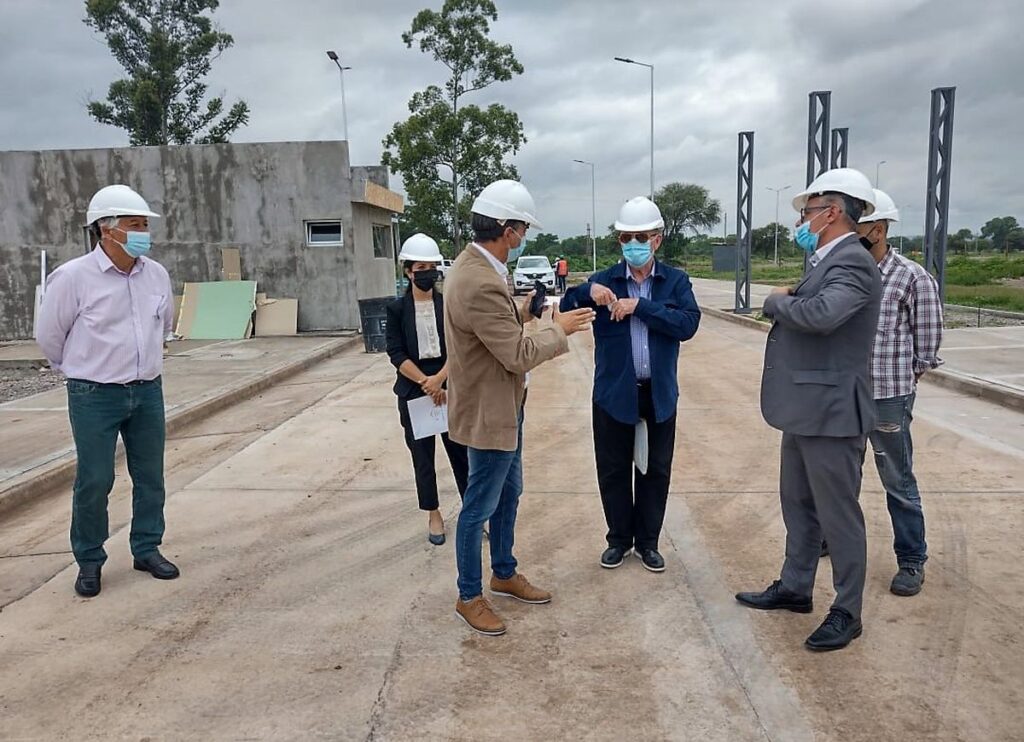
344, 112
651, 68
877, 166
777, 192
593, 211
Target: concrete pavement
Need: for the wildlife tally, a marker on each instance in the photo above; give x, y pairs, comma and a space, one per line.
35, 436
311, 605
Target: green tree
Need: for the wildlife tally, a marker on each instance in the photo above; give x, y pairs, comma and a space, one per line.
167, 47
1014, 240
959, 242
762, 240
467, 142
687, 208
998, 229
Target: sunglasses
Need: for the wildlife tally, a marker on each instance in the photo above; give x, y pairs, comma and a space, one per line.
640, 237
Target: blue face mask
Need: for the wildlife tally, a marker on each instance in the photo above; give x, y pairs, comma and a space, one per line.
637, 254
516, 252
805, 238
137, 244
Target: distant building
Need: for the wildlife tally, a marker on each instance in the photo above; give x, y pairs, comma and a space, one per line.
307, 224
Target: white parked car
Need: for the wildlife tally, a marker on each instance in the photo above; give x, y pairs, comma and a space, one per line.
532, 268
444, 266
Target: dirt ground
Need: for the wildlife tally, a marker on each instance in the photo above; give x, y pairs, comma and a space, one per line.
16, 383
312, 607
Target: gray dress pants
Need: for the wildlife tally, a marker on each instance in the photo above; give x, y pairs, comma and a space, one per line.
820, 490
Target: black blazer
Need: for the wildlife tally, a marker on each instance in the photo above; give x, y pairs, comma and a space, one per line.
403, 345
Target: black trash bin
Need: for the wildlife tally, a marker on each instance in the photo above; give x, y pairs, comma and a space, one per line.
373, 317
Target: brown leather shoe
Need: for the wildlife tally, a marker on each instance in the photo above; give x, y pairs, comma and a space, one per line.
480, 616
518, 587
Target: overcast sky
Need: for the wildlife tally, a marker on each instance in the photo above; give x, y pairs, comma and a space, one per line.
722, 66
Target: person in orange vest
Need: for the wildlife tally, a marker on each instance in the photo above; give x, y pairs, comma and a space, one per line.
561, 274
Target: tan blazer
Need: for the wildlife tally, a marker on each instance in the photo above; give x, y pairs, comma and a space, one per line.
488, 355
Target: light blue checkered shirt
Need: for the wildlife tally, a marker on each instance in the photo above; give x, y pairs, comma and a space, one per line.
637, 327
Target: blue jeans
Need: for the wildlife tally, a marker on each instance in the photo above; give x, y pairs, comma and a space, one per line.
894, 458
99, 412
495, 484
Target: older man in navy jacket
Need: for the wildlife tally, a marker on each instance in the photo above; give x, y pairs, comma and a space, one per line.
649, 310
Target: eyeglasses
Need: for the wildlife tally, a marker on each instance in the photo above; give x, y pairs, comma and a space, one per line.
640, 237
804, 210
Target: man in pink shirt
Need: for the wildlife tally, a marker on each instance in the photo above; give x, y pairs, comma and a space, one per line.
102, 324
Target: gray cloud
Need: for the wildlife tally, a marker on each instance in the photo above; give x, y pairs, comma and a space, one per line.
721, 67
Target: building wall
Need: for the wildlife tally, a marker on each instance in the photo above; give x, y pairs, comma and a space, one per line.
255, 197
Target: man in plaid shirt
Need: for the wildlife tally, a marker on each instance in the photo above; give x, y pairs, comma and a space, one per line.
906, 346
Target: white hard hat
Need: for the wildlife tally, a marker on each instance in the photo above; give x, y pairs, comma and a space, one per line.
420, 248
117, 200
885, 209
844, 180
504, 200
639, 214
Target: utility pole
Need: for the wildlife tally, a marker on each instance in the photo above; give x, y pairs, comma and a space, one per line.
333, 56
651, 68
777, 192
593, 211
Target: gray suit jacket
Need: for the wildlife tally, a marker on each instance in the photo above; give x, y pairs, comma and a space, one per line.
817, 361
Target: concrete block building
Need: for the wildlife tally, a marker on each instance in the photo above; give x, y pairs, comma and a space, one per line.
307, 224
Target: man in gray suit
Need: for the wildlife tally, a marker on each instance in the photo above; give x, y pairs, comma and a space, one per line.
816, 389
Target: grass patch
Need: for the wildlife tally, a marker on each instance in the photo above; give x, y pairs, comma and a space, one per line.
1010, 298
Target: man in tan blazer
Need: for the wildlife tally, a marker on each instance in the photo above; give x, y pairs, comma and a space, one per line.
489, 359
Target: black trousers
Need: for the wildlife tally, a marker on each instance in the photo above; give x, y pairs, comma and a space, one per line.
560, 283
634, 503
423, 461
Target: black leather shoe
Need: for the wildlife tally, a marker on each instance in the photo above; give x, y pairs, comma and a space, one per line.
837, 630
157, 566
88, 582
651, 559
776, 597
613, 556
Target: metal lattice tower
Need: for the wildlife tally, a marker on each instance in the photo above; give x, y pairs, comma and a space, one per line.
940, 153
819, 115
840, 138
744, 208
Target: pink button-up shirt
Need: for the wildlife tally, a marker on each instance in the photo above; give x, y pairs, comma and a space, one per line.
99, 324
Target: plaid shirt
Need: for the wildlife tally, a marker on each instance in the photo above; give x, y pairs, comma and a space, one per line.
909, 327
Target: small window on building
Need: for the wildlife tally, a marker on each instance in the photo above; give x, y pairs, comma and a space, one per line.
382, 243
324, 234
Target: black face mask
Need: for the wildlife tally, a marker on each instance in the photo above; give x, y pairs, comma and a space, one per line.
425, 280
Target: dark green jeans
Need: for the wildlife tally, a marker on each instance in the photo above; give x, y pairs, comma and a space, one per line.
99, 412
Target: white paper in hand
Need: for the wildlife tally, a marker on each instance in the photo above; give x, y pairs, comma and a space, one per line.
427, 418
640, 446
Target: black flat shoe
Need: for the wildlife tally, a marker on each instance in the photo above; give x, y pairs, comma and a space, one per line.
613, 556
88, 582
837, 630
652, 560
157, 566
437, 539
775, 598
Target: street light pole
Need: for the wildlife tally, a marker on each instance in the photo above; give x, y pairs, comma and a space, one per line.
593, 211
344, 111
777, 192
651, 68
877, 166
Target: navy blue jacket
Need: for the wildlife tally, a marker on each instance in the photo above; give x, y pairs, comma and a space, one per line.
672, 316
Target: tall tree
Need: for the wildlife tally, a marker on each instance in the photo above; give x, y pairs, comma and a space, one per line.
167, 47
444, 137
762, 239
998, 229
687, 208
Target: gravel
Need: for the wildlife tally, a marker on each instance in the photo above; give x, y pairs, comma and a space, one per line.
16, 383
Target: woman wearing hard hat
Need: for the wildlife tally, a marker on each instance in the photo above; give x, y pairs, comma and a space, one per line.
415, 344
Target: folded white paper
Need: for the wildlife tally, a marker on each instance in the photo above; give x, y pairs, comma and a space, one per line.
640, 449
427, 418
